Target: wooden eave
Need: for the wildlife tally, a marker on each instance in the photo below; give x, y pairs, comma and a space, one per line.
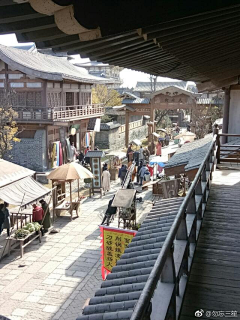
195, 41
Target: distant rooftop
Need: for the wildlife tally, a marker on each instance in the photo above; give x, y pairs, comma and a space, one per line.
149, 87
45, 66
190, 154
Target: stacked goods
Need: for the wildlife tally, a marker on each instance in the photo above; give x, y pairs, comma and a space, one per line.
27, 229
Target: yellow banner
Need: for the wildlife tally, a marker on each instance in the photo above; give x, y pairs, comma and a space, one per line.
114, 243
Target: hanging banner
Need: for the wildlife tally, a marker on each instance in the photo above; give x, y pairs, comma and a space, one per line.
114, 242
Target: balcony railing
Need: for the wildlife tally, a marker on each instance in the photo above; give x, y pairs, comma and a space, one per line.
66, 113
77, 112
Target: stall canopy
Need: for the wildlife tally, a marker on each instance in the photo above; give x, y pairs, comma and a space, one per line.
23, 191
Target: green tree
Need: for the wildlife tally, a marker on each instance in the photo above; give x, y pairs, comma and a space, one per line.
203, 119
8, 127
162, 118
106, 96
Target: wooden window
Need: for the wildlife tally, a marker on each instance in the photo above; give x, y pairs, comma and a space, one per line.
69, 98
15, 76
16, 84
34, 84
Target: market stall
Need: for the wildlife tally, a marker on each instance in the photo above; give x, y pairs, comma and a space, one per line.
125, 200
115, 163
67, 174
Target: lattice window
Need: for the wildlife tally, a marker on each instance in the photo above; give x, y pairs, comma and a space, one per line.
21, 99
38, 99
30, 99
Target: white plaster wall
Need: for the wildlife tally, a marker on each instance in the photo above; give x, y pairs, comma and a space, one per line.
234, 112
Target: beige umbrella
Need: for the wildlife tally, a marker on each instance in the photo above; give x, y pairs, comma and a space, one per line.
70, 171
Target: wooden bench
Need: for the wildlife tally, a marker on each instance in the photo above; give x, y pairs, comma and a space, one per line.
34, 235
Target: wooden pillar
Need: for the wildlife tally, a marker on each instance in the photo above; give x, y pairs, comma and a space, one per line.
226, 114
71, 198
93, 140
216, 131
127, 128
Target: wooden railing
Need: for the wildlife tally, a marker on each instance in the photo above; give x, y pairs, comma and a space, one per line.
227, 152
38, 115
166, 284
59, 113
77, 112
132, 125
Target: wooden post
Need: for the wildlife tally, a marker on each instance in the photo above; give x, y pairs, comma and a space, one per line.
215, 131
71, 198
126, 128
226, 114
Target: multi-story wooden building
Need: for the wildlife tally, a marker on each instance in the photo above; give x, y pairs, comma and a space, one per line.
53, 104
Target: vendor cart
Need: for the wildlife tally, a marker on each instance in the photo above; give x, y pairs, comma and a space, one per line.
125, 200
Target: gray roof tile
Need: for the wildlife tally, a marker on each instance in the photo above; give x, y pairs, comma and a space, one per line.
121, 290
45, 66
190, 154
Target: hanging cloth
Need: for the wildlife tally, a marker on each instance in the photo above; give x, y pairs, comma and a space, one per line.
68, 149
53, 154
87, 139
57, 152
60, 154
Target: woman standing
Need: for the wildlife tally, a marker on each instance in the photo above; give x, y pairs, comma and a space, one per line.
106, 180
159, 149
6, 223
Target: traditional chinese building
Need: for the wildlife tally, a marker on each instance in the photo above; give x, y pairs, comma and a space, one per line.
103, 70
53, 104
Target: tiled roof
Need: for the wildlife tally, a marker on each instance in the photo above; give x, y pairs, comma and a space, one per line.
146, 86
121, 290
95, 154
109, 125
45, 66
137, 100
190, 154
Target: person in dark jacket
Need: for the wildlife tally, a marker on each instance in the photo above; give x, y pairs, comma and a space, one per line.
2, 217
122, 173
7, 222
109, 212
47, 220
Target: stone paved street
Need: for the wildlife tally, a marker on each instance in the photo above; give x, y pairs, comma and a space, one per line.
54, 279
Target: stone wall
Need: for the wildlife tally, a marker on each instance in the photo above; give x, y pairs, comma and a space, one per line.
114, 140
31, 153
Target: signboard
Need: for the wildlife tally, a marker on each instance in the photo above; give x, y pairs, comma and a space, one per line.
114, 242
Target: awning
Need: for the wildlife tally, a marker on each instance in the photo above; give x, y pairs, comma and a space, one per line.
136, 142
124, 198
163, 130
23, 192
156, 135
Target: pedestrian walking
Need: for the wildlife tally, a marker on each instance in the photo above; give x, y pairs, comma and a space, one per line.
142, 173
106, 180
167, 139
122, 173
129, 153
141, 157
138, 170
159, 148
